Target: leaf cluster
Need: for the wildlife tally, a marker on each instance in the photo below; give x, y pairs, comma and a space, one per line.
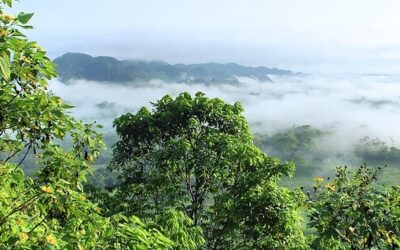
350, 212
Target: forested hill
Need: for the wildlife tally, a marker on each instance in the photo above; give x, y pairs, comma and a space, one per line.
108, 69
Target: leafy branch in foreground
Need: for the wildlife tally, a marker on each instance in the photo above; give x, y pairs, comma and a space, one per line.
351, 212
50, 211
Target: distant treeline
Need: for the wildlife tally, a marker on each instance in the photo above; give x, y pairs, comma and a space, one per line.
108, 69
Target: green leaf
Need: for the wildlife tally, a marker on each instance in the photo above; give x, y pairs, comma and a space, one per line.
8, 2
24, 17
5, 66
28, 27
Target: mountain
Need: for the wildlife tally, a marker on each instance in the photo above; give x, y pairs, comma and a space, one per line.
108, 69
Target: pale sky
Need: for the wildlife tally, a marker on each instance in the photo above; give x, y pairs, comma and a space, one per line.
302, 35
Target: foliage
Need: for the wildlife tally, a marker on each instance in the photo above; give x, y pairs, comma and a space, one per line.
188, 167
102, 178
262, 217
50, 210
375, 151
177, 226
197, 155
59, 217
297, 144
351, 212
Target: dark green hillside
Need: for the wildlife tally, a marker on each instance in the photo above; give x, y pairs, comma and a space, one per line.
108, 69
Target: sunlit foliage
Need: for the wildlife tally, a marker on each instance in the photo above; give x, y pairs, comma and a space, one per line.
50, 210
197, 155
350, 212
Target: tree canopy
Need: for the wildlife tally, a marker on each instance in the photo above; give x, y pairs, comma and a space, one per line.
197, 155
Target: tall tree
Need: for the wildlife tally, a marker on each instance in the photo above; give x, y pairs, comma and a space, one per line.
197, 154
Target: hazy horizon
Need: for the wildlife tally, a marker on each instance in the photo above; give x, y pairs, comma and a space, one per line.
307, 36
357, 106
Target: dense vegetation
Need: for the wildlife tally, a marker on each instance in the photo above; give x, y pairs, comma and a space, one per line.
197, 155
376, 151
50, 210
352, 213
187, 175
109, 69
298, 144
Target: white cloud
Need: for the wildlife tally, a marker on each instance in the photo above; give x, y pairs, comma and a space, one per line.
352, 105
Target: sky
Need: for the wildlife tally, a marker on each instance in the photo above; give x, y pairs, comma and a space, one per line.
361, 36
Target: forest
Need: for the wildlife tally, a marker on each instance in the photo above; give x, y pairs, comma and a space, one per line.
102, 68
186, 173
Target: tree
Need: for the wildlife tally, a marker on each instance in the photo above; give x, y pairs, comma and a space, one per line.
376, 152
297, 144
50, 211
351, 212
197, 155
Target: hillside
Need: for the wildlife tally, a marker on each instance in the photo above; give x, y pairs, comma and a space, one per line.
108, 69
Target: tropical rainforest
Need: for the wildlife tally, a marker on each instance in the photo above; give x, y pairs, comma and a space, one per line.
186, 173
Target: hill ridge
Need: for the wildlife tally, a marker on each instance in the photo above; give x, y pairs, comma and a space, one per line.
109, 69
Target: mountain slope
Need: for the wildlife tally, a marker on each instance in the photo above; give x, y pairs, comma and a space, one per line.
108, 69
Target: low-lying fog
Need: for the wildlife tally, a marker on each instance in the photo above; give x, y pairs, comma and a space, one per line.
349, 106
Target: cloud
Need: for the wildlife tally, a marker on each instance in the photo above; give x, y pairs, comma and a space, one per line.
351, 105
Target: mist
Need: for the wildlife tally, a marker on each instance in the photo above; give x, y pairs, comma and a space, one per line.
346, 108
347, 103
